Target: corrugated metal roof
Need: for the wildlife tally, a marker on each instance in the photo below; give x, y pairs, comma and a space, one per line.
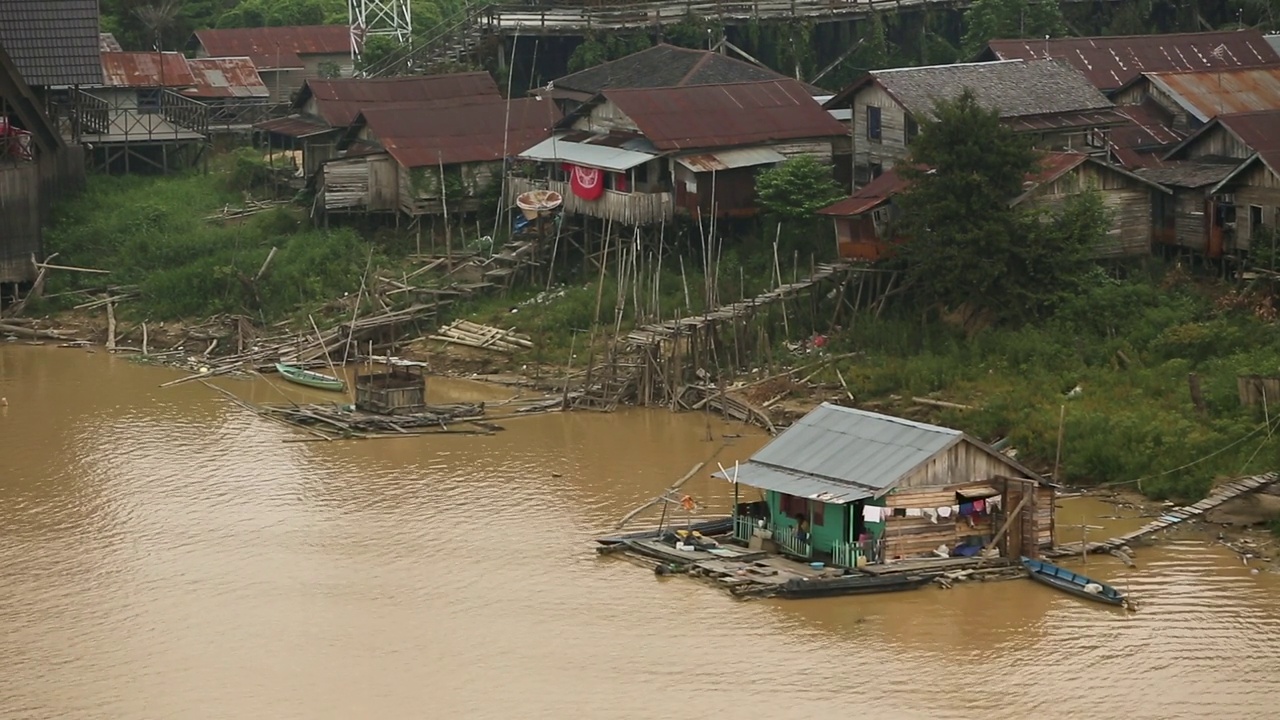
295, 126
1218, 92
875, 193
731, 159
1110, 62
52, 42
711, 116
146, 70
274, 48
339, 100
558, 149
226, 78
427, 134
1104, 117
797, 484
847, 453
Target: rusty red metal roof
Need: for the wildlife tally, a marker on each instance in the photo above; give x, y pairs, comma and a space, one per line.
146, 70
1102, 117
434, 133
1259, 130
1218, 92
273, 48
339, 101
1142, 140
294, 126
226, 78
711, 116
877, 192
1053, 165
1110, 62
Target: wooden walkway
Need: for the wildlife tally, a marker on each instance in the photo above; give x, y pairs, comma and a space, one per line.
655, 334
1223, 493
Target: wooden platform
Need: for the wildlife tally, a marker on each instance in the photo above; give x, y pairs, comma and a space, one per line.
656, 333
1220, 495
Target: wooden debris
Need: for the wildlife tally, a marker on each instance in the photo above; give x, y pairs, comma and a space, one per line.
463, 332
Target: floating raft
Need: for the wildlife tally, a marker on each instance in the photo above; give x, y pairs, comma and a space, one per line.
343, 421
1220, 495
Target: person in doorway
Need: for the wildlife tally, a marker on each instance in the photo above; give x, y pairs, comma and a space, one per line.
802, 528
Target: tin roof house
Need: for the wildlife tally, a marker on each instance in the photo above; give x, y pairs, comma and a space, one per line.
286, 57
233, 91
850, 487
325, 108
1110, 62
1192, 98
638, 156
431, 157
1046, 99
868, 229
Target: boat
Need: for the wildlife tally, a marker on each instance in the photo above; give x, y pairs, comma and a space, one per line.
852, 584
311, 379
1074, 583
710, 527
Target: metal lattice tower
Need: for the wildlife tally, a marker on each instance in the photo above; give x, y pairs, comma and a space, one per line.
373, 18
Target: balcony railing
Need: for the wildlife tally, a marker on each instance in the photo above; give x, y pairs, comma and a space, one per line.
792, 545
635, 208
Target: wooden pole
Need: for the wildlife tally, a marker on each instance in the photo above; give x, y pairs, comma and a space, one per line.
320, 339
1062, 427
111, 325
144, 339
676, 486
444, 209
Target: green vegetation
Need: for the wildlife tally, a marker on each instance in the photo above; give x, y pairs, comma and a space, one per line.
151, 232
968, 246
987, 20
797, 189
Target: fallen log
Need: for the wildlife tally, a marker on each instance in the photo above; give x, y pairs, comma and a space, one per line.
33, 333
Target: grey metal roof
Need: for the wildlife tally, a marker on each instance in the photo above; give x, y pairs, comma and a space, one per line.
731, 159
52, 42
850, 454
1013, 87
604, 157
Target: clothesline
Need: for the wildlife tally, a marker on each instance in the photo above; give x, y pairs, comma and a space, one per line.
877, 514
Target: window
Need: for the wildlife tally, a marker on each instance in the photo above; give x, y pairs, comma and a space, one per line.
873, 123
149, 100
1255, 218
913, 129
791, 506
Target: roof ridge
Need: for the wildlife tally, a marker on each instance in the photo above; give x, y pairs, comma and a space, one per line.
702, 60
893, 418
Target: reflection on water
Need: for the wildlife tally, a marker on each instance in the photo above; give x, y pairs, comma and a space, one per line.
165, 554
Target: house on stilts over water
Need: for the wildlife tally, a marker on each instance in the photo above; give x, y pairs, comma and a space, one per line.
853, 489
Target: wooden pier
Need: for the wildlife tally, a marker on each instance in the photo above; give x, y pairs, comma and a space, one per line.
1220, 495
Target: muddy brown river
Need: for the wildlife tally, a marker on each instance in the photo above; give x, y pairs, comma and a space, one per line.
163, 554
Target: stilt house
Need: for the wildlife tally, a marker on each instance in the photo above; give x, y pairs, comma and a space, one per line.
286, 57
325, 108
233, 92
867, 226
1048, 100
430, 158
850, 487
639, 156
1188, 100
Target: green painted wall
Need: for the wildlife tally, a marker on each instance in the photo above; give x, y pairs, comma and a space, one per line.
832, 529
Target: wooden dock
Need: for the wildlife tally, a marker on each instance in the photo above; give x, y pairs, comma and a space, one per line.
1220, 495
657, 333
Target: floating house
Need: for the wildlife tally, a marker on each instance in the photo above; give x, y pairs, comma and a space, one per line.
850, 487
325, 108
1109, 62
397, 388
286, 57
639, 156
867, 228
1046, 99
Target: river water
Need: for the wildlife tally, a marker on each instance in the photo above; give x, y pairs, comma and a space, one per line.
164, 554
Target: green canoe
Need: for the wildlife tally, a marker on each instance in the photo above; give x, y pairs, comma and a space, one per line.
311, 379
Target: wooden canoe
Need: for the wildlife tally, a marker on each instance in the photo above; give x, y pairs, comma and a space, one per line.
310, 378
1073, 583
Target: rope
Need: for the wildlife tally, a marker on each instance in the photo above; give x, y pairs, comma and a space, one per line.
1219, 451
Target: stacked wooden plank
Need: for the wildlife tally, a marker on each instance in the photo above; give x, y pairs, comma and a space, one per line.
464, 332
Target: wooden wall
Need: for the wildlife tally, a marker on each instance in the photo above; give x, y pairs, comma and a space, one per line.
27, 193
1190, 218
1217, 142
1258, 187
891, 148
605, 117
962, 463
906, 537
1127, 199
730, 193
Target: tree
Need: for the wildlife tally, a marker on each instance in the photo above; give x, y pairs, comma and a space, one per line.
797, 189
967, 244
988, 20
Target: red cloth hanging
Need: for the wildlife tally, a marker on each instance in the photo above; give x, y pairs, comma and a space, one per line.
586, 182
620, 182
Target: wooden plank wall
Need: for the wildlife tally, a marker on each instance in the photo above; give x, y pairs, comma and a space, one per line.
346, 184
961, 463
907, 537
1259, 187
27, 193
891, 148
1217, 142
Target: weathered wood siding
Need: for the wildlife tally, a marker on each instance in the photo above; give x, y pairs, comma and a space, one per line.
28, 191
819, 148
346, 184
1126, 199
1190, 219
635, 208
1217, 142
730, 193
906, 537
1046, 515
891, 148
1143, 90
964, 462
420, 188
605, 117
1256, 187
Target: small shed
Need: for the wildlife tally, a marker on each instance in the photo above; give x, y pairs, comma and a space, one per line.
874, 488
398, 388
286, 56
